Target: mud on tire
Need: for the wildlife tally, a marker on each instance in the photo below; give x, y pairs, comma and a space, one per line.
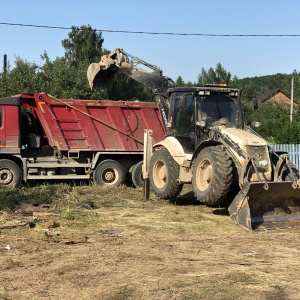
212, 175
163, 174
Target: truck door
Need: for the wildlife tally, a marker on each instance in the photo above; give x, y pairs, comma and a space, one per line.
2, 129
9, 128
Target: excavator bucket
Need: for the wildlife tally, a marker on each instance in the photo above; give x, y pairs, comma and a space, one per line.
100, 75
100, 79
267, 206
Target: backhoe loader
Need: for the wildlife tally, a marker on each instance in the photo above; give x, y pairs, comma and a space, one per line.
208, 145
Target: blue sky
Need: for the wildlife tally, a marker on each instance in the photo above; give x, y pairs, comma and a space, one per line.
175, 55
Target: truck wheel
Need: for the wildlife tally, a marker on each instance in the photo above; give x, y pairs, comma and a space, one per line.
10, 174
109, 172
164, 174
137, 175
212, 175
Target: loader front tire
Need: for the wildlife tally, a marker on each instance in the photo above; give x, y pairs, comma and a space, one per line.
109, 172
212, 175
164, 174
288, 176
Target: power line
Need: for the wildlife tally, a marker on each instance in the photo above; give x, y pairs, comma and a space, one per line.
156, 33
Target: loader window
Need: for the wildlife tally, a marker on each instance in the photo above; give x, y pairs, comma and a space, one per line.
215, 107
184, 114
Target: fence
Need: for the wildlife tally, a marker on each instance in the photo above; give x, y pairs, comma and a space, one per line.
292, 149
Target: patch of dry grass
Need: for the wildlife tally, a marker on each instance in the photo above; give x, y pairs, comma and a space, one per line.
127, 248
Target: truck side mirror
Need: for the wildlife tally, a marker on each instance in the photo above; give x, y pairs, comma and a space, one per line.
255, 103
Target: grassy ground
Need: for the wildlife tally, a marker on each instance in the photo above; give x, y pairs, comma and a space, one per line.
54, 246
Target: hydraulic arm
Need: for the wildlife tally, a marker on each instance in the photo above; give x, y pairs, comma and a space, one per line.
101, 74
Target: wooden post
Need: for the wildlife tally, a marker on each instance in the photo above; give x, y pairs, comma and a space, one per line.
292, 100
146, 162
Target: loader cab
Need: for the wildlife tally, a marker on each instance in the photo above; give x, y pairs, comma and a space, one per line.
193, 110
215, 106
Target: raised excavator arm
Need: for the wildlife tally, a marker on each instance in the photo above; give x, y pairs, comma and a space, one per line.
101, 74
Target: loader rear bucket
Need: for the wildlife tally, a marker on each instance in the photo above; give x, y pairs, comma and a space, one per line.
100, 79
261, 207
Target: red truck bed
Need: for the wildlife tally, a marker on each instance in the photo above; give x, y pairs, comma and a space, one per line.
94, 125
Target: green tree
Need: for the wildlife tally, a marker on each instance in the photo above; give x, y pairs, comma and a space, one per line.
83, 44
249, 91
179, 81
23, 78
63, 80
214, 76
66, 76
276, 127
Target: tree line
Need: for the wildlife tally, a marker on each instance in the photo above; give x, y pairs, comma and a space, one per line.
65, 77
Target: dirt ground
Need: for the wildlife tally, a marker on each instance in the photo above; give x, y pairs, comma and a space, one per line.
127, 248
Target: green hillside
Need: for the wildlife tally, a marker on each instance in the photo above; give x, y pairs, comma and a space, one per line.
254, 86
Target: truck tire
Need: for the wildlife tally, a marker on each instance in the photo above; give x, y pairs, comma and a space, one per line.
109, 172
10, 174
164, 174
137, 175
212, 175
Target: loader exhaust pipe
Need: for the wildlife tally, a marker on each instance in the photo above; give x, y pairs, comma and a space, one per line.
260, 208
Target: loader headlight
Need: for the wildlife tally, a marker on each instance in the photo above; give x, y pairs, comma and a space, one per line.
202, 93
263, 163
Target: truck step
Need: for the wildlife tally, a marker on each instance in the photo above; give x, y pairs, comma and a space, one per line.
46, 160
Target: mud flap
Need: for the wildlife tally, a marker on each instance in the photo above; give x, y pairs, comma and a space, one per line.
261, 207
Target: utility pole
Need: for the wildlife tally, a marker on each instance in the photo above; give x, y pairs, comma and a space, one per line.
5, 63
292, 100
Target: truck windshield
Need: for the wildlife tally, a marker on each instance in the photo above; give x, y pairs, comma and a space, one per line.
215, 107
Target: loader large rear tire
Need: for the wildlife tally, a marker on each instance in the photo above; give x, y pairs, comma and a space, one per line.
164, 174
212, 175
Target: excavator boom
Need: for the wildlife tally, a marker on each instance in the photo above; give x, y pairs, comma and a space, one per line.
101, 74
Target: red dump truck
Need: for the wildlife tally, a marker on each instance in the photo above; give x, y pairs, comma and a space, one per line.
42, 137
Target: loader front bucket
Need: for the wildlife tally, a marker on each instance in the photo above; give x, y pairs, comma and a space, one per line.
266, 206
100, 79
